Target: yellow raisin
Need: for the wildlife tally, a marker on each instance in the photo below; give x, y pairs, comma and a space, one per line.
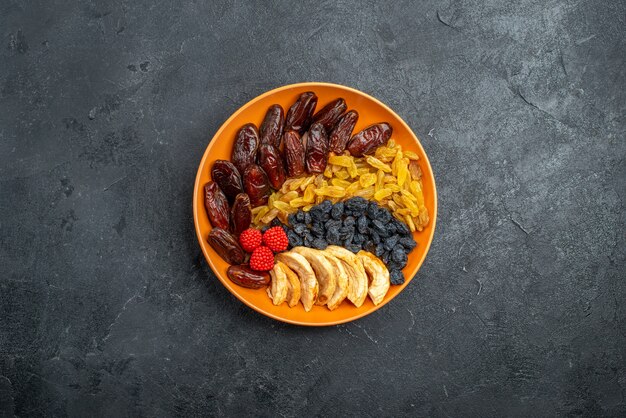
382, 193
367, 179
376, 163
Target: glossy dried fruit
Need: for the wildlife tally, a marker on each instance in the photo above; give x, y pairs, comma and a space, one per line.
294, 153
271, 130
241, 214
244, 276
330, 114
226, 175
341, 133
316, 149
300, 113
216, 205
256, 185
369, 139
270, 161
226, 245
245, 147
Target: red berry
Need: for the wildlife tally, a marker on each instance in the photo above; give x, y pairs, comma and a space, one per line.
262, 259
276, 239
250, 239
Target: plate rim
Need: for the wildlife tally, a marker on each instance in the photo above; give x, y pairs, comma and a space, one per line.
203, 161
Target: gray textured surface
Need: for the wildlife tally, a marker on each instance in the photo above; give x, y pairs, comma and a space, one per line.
108, 308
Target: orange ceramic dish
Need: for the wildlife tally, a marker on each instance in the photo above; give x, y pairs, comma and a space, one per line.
370, 111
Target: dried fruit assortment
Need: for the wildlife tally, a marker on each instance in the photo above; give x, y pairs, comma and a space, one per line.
391, 177
311, 211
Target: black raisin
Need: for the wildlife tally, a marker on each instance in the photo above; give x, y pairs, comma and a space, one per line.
396, 277
407, 242
372, 210
369, 246
391, 227
357, 205
375, 237
384, 216
275, 222
401, 228
300, 216
391, 242
319, 243
317, 231
284, 227
346, 231
349, 222
337, 211
291, 219
354, 248
362, 224
379, 251
348, 240
299, 229
398, 254
307, 218
380, 228
307, 240
358, 239
332, 224
294, 239
333, 236
326, 206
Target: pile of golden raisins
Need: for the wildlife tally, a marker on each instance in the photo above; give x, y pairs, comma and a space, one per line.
391, 177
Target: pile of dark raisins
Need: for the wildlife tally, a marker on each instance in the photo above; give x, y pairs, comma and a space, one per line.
356, 224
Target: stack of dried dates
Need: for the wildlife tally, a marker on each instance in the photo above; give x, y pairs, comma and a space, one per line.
262, 159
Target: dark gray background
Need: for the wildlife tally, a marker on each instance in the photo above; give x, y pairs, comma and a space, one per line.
107, 306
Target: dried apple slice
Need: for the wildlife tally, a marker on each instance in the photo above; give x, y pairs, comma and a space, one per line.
324, 272
309, 287
378, 276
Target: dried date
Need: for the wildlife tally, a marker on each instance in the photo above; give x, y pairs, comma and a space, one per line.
246, 144
216, 205
300, 113
226, 245
256, 185
240, 214
271, 131
330, 114
226, 175
294, 153
316, 149
270, 161
246, 277
369, 139
342, 132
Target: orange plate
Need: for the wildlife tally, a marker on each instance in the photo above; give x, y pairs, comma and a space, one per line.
370, 111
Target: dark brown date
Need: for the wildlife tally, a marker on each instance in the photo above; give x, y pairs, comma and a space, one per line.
246, 144
271, 131
316, 149
246, 277
216, 205
330, 114
342, 132
270, 161
369, 139
240, 214
226, 245
256, 185
226, 175
294, 153
300, 113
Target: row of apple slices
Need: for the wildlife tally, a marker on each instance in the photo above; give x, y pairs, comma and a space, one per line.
327, 277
